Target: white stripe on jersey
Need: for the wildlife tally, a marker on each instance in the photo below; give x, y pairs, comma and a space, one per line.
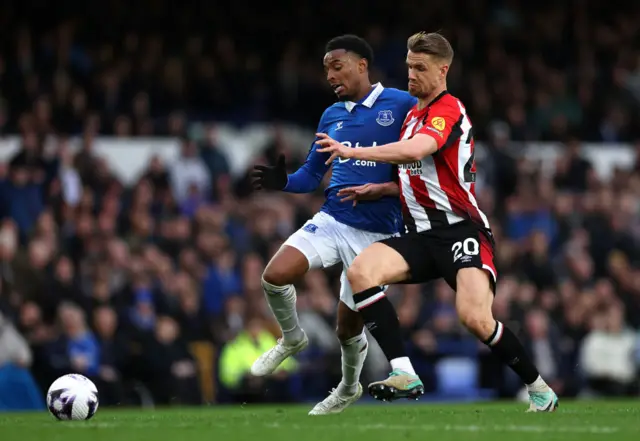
464, 153
417, 211
430, 177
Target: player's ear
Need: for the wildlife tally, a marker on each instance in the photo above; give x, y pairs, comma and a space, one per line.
363, 65
444, 69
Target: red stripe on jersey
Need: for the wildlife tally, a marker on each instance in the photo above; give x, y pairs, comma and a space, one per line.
421, 192
447, 169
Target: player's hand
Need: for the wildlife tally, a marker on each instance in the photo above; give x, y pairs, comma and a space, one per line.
366, 192
270, 177
330, 145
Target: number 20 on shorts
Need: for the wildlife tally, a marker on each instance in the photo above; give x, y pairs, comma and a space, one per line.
469, 247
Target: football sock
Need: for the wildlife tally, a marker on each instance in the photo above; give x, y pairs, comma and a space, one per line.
354, 352
538, 386
282, 301
381, 320
402, 364
506, 346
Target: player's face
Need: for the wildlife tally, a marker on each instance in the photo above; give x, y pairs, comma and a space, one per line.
426, 74
344, 71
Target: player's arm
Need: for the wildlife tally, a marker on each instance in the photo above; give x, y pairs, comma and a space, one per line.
308, 177
429, 139
371, 191
391, 188
304, 180
399, 152
368, 192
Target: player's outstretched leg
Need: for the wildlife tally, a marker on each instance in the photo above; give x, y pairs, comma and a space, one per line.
474, 298
376, 266
354, 346
286, 267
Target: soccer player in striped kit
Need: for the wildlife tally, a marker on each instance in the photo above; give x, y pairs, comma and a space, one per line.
447, 235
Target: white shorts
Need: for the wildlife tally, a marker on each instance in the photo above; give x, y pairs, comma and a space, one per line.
326, 242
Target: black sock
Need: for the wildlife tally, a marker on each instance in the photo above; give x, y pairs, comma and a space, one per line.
506, 346
381, 320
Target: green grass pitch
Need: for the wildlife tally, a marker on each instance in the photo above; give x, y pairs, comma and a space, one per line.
619, 421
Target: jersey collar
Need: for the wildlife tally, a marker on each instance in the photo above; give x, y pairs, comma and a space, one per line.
369, 100
440, 95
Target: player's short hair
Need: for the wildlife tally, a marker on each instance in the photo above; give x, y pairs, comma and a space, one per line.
432, 43
351, 43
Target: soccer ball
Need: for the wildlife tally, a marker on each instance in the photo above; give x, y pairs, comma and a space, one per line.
72, 397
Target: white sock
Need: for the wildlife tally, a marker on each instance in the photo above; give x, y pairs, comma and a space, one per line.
282, 301
354, 352
403, 364
538, 386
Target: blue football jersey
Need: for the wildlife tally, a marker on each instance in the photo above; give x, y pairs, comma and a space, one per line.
375, 120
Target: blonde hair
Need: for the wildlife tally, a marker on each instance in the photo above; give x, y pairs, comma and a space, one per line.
432, 43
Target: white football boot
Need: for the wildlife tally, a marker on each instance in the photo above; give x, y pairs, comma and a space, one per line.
270, 360
335, 403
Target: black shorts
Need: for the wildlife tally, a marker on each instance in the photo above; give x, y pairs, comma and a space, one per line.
441, 252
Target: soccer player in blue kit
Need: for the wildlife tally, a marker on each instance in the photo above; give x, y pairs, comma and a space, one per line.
365, 115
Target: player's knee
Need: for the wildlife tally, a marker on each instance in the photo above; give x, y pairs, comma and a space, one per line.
473, 302
362, 276
278, 275
286, 268
275, 277
349, 324
346, 331
479, 323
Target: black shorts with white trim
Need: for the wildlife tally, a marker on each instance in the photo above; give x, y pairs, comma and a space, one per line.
441, 252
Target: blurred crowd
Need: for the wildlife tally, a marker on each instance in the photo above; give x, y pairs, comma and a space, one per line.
548, 68
154, 290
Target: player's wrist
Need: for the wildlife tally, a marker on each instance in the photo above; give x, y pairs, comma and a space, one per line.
285, 183
357, 153
390, 189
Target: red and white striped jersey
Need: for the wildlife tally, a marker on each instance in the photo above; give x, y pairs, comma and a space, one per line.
439, 190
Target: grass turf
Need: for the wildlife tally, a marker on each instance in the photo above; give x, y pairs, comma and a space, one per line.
582, 421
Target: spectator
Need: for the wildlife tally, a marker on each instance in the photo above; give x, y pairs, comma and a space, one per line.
113, 356
213, 158
573, 171
69, 177
157, 175
22, 199
189, 175
608, 355
193, 318
18, 390
82, 347
14, 349
173, 372
236, 360
221, 281
536, 264
544, 346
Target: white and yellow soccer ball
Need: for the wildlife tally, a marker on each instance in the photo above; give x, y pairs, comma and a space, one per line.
72, 397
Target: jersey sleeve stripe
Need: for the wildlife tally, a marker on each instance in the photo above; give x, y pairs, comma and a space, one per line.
456, 133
